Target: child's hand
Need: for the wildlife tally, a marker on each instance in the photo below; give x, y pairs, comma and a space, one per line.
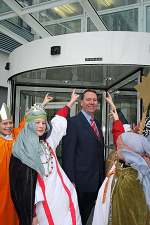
113, 115
47, 99
74, 96
110, 101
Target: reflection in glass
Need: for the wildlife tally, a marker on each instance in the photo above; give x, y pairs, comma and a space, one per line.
25, 3
118, 21
68, 10
96, 76
4, 7
59, 12
128, 106
19, 27
108, 4
148, 19
124, 99
65, 28
90, 25
28, 98
122, 21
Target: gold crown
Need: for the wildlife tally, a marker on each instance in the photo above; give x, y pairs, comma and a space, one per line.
35, 108
5, 113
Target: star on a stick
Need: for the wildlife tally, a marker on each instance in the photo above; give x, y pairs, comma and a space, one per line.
144, 89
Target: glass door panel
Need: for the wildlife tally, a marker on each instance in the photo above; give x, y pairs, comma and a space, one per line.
125, 99
127, 103
27, 96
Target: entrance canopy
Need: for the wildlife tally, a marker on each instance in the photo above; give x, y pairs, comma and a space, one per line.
94, 59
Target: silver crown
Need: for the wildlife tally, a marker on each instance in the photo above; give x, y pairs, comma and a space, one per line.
5, 113
35, 108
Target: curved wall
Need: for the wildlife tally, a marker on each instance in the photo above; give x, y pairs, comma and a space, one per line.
122, 48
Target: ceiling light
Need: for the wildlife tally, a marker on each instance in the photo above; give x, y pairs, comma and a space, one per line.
109, 78
63, 11
56, 9
66, 81
106, 2
68, 9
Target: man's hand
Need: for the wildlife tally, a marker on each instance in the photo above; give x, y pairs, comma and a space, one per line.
47, 99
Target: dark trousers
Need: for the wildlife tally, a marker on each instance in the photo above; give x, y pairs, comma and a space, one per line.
86, 202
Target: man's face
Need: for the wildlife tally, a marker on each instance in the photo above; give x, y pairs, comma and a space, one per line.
6, 127
89, 103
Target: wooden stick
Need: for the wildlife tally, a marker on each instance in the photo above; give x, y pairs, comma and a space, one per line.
143, 121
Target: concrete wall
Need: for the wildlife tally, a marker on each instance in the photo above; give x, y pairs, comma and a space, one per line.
3, 77
3, 95
3, 73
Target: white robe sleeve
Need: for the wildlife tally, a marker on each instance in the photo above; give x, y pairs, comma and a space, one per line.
59, 126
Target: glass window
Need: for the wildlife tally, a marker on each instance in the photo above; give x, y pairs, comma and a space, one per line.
148, 19
4, 7
59, 12
25, 3
28, 98
127, 104
90, 25
93, 76
68, 10
18, 21
65, 28
31, 2
19, 27
118, 21
122, 21
125, 99
108, 4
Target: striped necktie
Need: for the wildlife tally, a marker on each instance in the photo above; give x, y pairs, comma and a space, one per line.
94, 127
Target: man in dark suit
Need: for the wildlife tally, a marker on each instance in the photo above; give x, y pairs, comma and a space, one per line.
83, 154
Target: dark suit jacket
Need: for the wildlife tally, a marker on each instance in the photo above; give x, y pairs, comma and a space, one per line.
83, 154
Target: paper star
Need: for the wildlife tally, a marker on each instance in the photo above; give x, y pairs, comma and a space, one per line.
144, 89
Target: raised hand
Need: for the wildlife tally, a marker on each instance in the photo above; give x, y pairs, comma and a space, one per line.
47, 99
74, 98
113, 115
110, 101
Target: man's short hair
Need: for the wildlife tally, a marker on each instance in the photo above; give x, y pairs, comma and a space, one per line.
88, 90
